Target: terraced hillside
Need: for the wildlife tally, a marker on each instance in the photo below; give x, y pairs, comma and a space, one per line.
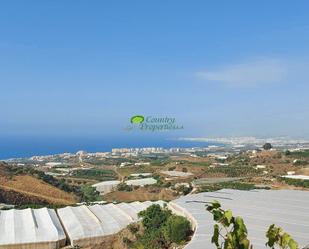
27, 189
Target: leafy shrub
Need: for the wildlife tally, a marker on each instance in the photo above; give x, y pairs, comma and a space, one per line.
267, 146
133, 228
126, 241
229, 185
295, 182
161, 228
89, 194
154, 216
276, 236
298, 154
184, 189
177, 229
151, 239
124, 187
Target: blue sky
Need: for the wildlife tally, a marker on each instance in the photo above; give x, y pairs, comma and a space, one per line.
222, 68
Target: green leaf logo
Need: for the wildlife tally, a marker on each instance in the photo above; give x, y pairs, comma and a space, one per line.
137, 119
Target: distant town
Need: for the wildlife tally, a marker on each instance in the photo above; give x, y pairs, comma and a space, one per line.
125, 181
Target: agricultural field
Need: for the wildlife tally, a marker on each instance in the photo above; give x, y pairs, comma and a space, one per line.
95, 174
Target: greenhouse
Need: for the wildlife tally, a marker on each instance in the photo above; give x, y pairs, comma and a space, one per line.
106, 186
288, 209
141, 182
87, 225
30, 228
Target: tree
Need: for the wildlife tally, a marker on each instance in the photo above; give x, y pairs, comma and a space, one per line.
89, 194
267, 146
287, 153
124, 187
177, 229
151, 239
160, 229
184, 189
154, 216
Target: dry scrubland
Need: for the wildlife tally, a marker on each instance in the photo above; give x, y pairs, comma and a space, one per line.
22, 189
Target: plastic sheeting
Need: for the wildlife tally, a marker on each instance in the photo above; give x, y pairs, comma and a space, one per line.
30, 228
288, 209
87, 225
141, 182
106, 187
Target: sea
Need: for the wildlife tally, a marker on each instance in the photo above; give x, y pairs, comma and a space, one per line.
27, 146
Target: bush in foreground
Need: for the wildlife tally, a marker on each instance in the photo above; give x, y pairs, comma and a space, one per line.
160, 229
177, 229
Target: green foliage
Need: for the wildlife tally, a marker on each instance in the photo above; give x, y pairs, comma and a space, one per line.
89, 194
287, 153
236, 234
161, 229
84, 193
276, 236
133, 228
298, 154
177, 229
96, 174
201, 164
229, 185
299, 162
234, 171
37, 206
160, 162
124, 187
151, 239
295, 182
267, 146
236, 231
154, 216
159, 180
184, 189
42, 176
127, 241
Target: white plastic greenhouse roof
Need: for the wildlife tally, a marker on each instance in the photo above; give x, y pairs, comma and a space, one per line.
176, 173
288, 209
30, 226
106, 183
85, 225
142, 182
